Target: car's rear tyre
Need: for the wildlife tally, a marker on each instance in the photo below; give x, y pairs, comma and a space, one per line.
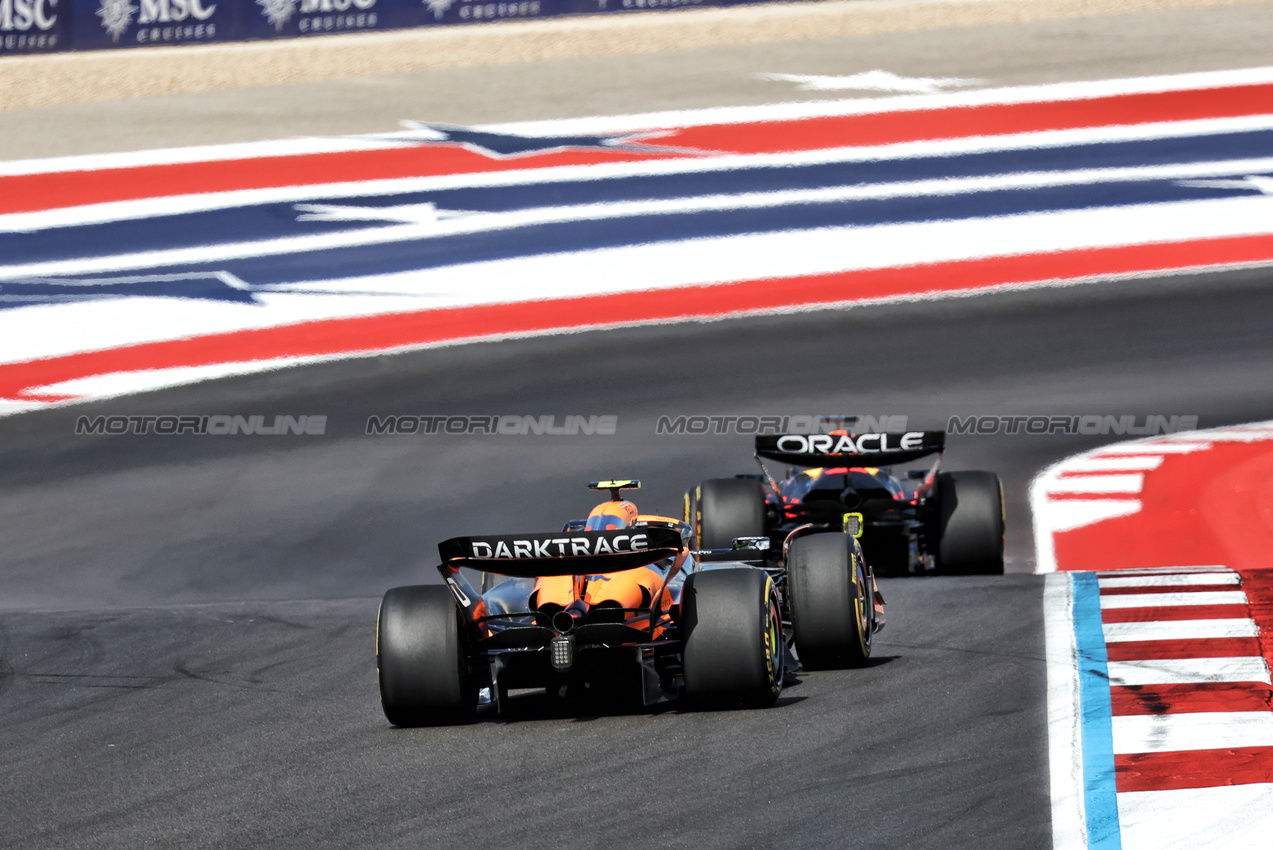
970, 517
832, 601
420, 658
725, 508
732, 629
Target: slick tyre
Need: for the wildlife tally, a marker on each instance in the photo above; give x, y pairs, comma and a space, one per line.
725, 508
832, 601
733, 639
970, 530
420, 658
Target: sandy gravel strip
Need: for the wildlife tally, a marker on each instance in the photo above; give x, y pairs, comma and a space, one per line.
32, 81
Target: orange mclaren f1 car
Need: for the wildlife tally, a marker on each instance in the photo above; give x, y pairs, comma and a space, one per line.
621, 601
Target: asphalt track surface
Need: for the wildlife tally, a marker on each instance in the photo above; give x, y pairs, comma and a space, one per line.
160, 684
138, 721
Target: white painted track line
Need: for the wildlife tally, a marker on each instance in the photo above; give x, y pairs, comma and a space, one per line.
1180, 630
1141, 463
1160, 600
1153, 571
1065, 745
1171, 580
1097, 484
1157, 733
1224, 818
1189, 671
1179, 448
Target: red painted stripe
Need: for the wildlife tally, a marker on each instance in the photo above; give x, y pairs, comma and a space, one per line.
24, 193
29, 192
1193, 769
1136, 650
1188, 588
335, 337
1255, 490
1190, 699
1173, 612
1204, 507
961, 122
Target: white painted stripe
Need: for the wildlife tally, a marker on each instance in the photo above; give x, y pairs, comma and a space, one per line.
1158, 733
1243, 435
1190, 441
1157, 600
1180, 630
1172, 580
1189, 671
1227, 817
1127, 449
144, 380
670, 119
1065, 746
40, 331
1113, 464
1068, 514
1148, 571
1096, 484
200, 153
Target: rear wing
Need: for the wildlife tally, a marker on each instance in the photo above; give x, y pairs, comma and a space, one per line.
562, 553
870, 449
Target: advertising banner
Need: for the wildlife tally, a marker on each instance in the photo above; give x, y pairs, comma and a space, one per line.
290, 18
103, 24
35, 26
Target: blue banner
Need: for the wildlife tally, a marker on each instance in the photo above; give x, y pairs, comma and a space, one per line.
32, 26
103, 24
44, 26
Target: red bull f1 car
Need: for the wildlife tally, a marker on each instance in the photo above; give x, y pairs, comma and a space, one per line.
621, 602
934, 521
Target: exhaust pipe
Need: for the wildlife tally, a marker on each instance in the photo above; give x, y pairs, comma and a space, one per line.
564, 621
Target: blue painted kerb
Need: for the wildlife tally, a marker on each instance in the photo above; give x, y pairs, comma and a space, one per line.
1100, 795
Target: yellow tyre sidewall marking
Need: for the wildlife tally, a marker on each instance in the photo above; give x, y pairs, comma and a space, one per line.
860, 619
770, 636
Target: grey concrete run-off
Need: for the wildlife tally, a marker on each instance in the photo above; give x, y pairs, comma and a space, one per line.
1099, 47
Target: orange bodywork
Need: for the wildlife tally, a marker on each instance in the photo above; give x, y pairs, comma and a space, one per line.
556, 590
627, 589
